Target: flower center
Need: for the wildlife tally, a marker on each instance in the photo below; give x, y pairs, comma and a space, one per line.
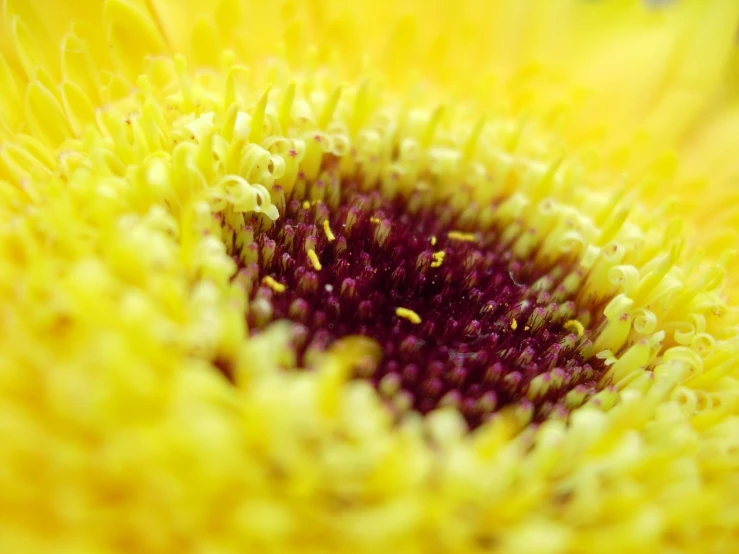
460, 320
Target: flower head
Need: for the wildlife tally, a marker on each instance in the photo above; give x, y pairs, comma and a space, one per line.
315, 276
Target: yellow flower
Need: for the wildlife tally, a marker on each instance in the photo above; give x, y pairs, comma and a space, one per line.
327, 276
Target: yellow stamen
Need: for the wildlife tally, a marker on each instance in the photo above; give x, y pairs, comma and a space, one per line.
459, 235
514, 324
306, 205
327, 229
274, 285
375, 219
410, 315
433, 240
576, 325
438, 258
314, 261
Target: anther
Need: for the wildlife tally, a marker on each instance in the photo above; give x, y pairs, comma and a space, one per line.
314, 261
438, 258
464, 237
327, 230
410, 315
274, 285
575, 325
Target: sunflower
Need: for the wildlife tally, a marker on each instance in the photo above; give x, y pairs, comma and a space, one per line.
397, 276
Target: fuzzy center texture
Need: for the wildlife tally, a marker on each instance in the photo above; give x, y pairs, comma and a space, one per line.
459, 320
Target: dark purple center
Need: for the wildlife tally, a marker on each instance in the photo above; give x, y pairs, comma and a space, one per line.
459, 319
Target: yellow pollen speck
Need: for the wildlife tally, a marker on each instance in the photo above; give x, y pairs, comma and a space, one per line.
274, 285
514, 324
327, 229
374, 219
314, 261
433, 240
438, 258
576, 325
459, 235
410, 315
306, 205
